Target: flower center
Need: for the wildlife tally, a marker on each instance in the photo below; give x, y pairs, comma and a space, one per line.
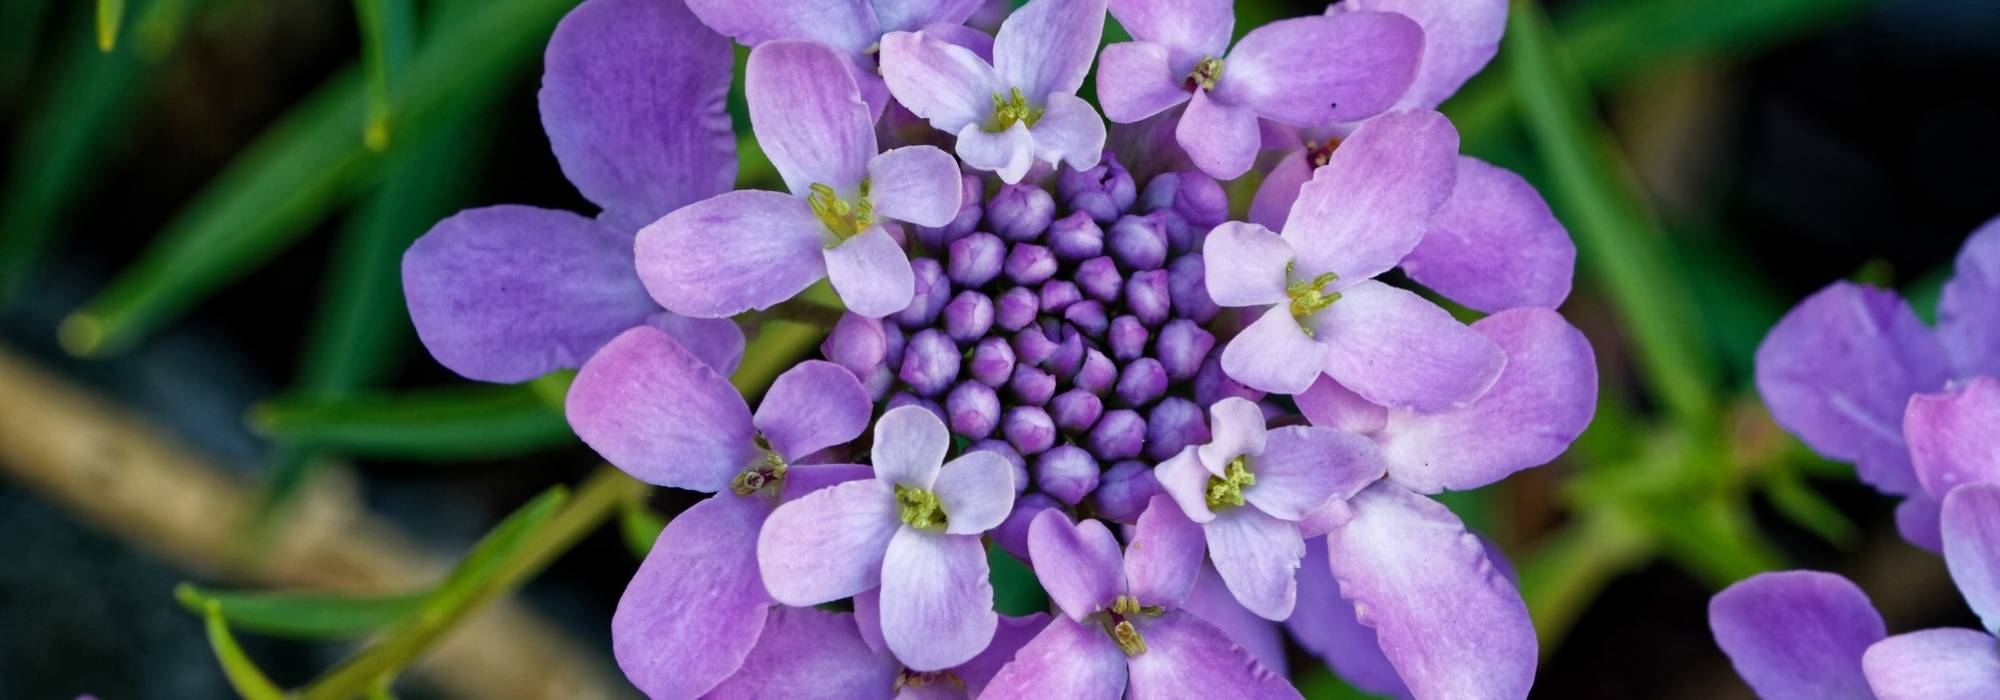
1309, 296
1226, 491
767, 472
915, 679
1014, 108
1319, 154
843, 219
1117, 623
1206, 72
920, 509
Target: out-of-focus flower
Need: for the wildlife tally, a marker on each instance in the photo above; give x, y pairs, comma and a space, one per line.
854, 27
1020, 107
508, 293
751, 249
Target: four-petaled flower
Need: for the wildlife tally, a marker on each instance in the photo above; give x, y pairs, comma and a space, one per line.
854, 27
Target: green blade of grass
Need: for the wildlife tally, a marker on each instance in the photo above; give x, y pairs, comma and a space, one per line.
303, 615
243, 674
110, 14
388, 35
455, 423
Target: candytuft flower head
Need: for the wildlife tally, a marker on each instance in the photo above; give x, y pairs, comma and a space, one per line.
1020, 107
913, 530
853, 28
1302, 72
752, 249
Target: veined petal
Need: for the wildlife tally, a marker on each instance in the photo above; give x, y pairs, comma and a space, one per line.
1940, 664
1045, 47
946, 84
812, 406
1257, 556
1324, 624
1311, 71
1239, 429
641, 131
907, 15
1971, 529
828, 544
1069, 132
1838, 370
976, 491
509, 293
1135, 80
1068, 659
679, 630
1244, 265
1303, 466
1954, 436
1191, 29
809, 116
1078, 563
802, 479
1220, 138
848, 25
1796, 634
1279, 190
1165, 555
809, 653
659, 414
1371, 204
1494, 245
1398, 349
917, 184
1008, 639
1185, 480
1917, 521
871, 273
717, 342
1184, 654
1452, 625
1460, 37
937, 606
1969, 307
1007, 154
1331, 405
910, 444
732, 253
1274, 354
1211, 601
1545, 396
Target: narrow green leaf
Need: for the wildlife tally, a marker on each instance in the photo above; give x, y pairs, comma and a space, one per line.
488, 558
110, 13
243, 674
454, 423
1804, 507
303, 615
387, 37
1622, 247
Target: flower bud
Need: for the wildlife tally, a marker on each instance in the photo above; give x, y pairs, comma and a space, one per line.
1120, 434
1141, 382
1138, 242
1068, 355
976, 259
974, 409
1028, 429
1074, 411
1146, 297
1013, 532
1028, 264
930, 362
1031, 347
1187, 286
1076, 237
1006, 452
1066, 473
1097, 374
968, 317
856, 343
1031, 385
933, 291
1124, 490
1127, 338
1020, 212
1058, 294
1015, 309
1212, 385
1099, 279
970, 209
1088, 317
1173, 424
1183, 344
992, 361
1104, 191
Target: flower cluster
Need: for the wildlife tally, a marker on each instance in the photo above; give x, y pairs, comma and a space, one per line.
1192, 427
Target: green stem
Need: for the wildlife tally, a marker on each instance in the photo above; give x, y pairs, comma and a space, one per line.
1564, 574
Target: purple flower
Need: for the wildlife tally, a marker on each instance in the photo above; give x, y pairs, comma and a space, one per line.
1840, 370
853, 27
810, 653
1806, 634
1121, 626
1307, 71
913, 530
1250, 487
650, 407
1020, 107
508, 293
1357, 218
752, 249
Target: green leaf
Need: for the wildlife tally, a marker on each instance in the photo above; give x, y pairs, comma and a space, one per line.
1804, 507
456, 423
110, 13
488, 558
243, 674
1622, 247
388, 33
1016, 591
303, 615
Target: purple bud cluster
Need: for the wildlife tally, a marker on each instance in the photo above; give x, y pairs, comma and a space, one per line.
1065, 331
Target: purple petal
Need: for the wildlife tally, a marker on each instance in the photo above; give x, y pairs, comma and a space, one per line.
1191, 29
977, 492
1184, 653
679, 630
1952, 436
1008, 639
906, 15
717, 342
1256, 555
1312, 71
1940, 664
509, 293
1007, 154
1069, 132
1838, 370
917, 184
1796, 634
868, 617
1238, 427
802, 479
1303, 466
1371, 204
1244, 265
1331, 405
1280, 189
1078, 564
1334, 513
1324, 624
871, 273
1210, 600
812, 406
731, 253
946, 84
857, 343
1969, 308
1165, 554
1274, 354
1045, 47
1460, 37
1397, 349
1917, 521
809, 653
848, 25
809, 116
659, 414
910, 443
1136, 80
1971, 529
641, 131
937, 606
1452, 625
1067, 660
1220, 138
1185, 480
828, 544
1544, 398
1494, 245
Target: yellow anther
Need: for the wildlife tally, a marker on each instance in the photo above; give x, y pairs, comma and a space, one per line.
920, 509
1011, 109
1226, 491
